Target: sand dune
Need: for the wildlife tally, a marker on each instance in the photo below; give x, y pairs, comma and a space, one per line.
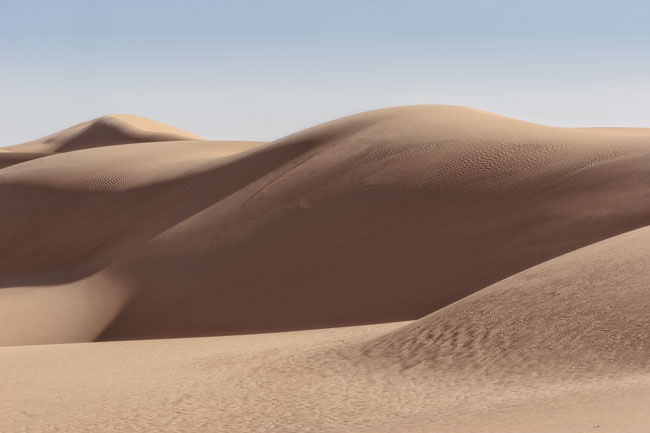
8, 158
383, 216
526, 248
580, 315
54, 219
105, 131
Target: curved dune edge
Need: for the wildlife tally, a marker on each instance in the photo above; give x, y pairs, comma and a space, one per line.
79, 309
104, 131
8, 158
73, 312
382, 216
620, 130
583, 314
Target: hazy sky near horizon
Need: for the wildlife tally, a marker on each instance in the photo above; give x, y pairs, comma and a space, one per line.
262, 69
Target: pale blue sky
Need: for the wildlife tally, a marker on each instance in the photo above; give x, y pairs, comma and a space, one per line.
264, 69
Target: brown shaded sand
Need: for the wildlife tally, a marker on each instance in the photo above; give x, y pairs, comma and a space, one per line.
562, 346
383, 216
526, 248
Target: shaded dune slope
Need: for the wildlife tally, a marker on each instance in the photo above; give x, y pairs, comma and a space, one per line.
382, 216
8, 158
68, 207
63, 228
580, 315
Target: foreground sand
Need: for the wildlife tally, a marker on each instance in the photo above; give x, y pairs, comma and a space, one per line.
560, 347
526, 249
293, 382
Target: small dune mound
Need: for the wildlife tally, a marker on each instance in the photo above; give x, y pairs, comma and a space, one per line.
583, 313
105, 131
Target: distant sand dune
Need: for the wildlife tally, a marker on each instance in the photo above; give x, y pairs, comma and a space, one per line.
105, 131
382, 216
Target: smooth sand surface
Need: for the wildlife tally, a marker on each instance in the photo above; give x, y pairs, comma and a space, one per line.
304, 381
380, 217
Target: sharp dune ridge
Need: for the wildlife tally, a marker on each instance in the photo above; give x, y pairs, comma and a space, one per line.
517, 250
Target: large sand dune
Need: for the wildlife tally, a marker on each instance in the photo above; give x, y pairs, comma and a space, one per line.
382, 216
523, 251
583, 314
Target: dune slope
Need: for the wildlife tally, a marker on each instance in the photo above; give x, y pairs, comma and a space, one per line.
563, 346
8, 158
83, 209
382, 216
581, 315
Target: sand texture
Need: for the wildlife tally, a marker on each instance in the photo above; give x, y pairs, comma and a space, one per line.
467, 272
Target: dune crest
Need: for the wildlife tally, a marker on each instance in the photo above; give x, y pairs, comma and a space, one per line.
105, 131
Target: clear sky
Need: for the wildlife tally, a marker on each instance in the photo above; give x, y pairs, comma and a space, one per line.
262, 69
